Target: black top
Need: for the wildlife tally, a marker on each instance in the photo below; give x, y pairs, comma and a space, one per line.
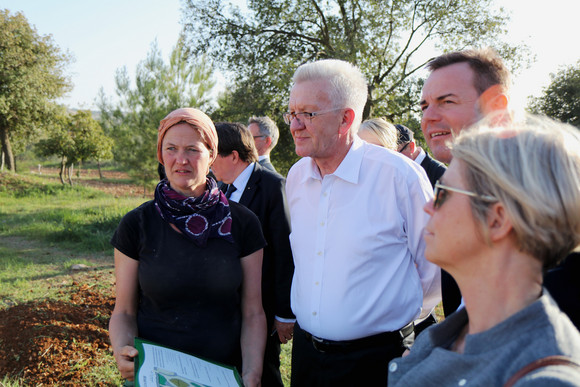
189, 297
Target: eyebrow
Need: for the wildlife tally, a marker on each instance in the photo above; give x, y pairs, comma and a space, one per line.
440, 98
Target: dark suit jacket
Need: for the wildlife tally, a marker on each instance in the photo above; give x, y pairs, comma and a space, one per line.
563, 284
265, 196
267, 164
434, 168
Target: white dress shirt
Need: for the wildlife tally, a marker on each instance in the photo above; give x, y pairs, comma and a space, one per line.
357, 241
241, 182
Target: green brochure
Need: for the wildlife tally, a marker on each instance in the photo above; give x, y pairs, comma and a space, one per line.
160, 366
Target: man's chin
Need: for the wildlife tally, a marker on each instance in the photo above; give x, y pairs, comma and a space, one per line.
442, 153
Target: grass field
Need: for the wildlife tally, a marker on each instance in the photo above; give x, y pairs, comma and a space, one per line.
45, 230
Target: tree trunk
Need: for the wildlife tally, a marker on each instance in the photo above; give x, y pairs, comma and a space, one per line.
99, 167
70, 173
7, 149
1, 160
62, 169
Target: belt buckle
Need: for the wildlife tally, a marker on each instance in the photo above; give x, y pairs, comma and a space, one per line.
316, 341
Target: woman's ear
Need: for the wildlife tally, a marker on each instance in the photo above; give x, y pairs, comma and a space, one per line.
498, 222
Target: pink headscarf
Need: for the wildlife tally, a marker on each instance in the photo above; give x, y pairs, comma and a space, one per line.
196, 118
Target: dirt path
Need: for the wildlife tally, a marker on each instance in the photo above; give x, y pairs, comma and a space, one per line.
58, 340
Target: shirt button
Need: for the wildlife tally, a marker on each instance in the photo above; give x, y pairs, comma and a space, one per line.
322, 223
314, 313
462, 382
319, 253
393, 367
325, 194
317, 283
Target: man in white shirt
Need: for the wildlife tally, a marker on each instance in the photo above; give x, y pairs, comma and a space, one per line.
357, 218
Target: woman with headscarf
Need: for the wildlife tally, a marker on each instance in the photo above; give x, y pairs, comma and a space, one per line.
507, 208
188, 263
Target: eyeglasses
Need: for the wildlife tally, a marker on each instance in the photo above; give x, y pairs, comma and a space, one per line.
440, 194
404, 147
302, 116
255, 137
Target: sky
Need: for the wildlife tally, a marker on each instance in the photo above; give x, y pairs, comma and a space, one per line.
105, 35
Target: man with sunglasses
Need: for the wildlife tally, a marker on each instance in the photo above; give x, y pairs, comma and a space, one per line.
361, 277
406, 146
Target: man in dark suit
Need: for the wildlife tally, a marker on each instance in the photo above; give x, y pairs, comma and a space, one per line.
262, 191
266, 134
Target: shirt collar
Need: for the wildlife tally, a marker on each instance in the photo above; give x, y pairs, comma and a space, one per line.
349, 168
419, 159
242, 179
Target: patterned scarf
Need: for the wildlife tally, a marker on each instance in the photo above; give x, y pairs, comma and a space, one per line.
198, 218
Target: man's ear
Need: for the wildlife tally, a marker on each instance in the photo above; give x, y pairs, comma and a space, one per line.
412, 147
235, 156
498, 222
493, 100
347, 120
268, 142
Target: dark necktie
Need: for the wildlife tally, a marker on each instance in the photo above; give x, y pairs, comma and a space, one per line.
231, 188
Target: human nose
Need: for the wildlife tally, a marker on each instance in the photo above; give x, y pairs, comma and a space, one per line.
429, 208
430, 113
296, 123
182, 157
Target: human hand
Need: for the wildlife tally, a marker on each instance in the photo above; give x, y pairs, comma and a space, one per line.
285, 331
125, 361
251, 379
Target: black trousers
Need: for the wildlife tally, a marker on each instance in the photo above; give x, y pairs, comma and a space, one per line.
359, 367
271, 372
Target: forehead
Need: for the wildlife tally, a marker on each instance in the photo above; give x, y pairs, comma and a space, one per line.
310, 94
182, 131
254, 129
456, 79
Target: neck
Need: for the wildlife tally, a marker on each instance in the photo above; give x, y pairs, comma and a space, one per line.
238, 169
328, 165
508, 282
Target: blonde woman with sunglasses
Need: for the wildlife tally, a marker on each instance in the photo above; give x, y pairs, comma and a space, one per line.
506, 209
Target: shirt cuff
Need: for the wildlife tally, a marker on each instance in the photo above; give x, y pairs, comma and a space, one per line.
285, 320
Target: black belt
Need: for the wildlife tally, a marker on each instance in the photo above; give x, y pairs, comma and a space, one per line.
323, 345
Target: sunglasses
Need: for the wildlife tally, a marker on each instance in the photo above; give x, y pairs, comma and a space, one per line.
440, 194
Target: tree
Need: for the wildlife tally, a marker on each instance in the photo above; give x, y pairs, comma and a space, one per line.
561, 99
159, 88
31, 77
75, 138
386, 39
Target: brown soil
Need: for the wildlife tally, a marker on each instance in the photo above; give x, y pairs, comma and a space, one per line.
55, 342
90, 177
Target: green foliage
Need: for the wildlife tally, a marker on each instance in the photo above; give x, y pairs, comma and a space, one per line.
385, 39
31, 77
159, 89
76, 138
261, 46
561, 99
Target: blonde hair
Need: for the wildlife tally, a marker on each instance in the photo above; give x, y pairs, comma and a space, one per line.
384, 131
533, 168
